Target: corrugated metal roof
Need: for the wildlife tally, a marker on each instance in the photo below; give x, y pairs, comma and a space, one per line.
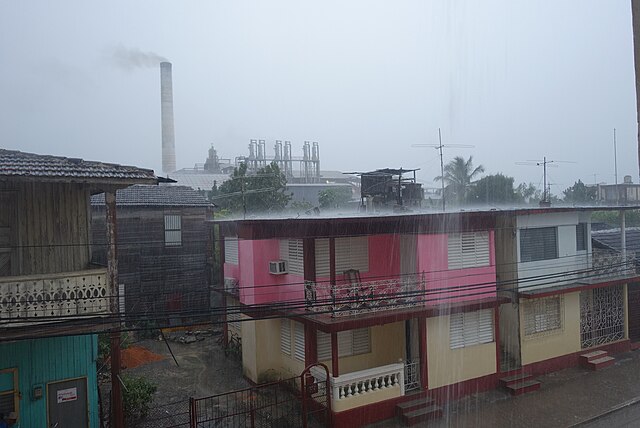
29, 165
611, 238
146, 195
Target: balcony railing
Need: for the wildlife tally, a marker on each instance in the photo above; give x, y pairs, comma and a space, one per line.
231, 286
368, 386
353, 298
53, 296
612, 264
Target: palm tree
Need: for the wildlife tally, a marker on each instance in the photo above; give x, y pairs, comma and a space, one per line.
458, 177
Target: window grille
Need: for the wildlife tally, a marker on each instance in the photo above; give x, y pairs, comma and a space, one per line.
231, 250
467, 250
350, 342
351, 253
543, 316
172, 230
9, 394
471, 328
581, 237
601, 316
538, 244
292, 251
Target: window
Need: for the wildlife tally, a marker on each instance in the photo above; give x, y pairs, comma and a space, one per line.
471, 328
172, 230
291, 250
298, 339
350, 342
351, 253
538, 244
581, 237
231, 250
468, 250
9, 395
542, 315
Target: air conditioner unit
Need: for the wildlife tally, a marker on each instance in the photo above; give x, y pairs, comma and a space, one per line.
278, 267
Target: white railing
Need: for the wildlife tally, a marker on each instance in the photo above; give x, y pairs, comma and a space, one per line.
353, 298
609, 263
366, 382
55, 296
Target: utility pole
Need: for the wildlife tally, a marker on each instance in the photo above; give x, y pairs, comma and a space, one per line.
635, 15
615, 165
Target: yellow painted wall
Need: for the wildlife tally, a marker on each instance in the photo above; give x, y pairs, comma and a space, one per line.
447, 366
387, 347
564, 341
261, 355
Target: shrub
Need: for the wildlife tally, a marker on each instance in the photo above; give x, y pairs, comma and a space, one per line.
137, 396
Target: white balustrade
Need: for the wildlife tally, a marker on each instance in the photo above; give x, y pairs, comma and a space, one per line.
367, 381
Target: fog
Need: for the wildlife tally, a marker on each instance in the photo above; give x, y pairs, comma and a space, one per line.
517, 79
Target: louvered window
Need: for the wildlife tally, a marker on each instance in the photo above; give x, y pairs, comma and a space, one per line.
233, 318
581, 237
350, 342
298, 350
468, 250
291, 250
351, 253
285, 336
471, 328
172, 230
542, 315
538, 244
231, 250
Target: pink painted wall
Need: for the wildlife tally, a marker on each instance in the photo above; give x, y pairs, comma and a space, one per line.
441, 282
257, 285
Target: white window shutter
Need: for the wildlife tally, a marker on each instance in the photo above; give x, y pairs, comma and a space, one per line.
299, 341
456, 331
485, 326
345, 343
285, 336
467, 250
471, 328
322, 257
324, 346
361, 341
231, 250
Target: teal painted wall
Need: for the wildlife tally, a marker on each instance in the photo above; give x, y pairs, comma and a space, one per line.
53, 359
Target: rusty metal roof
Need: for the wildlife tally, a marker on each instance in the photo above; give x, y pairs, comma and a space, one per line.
15, 164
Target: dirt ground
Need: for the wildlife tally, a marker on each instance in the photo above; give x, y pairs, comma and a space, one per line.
202, 370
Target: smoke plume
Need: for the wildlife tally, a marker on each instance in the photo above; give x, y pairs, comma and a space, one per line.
131, 59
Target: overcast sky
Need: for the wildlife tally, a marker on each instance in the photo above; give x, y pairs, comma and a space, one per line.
517, 79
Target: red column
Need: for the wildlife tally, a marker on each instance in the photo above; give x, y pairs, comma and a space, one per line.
422, 341
310, 345
496, 336
334, 354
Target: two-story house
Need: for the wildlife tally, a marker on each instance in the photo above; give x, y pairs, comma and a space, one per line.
164, 250
440, 304
52, 300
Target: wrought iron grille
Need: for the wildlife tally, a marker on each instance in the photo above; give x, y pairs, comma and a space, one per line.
543, 316
412, 375
601, 316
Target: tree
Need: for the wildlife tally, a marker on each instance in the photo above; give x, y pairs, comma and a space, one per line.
262, 192
579, 193
458, 177
529, 193
494, 189
334, 197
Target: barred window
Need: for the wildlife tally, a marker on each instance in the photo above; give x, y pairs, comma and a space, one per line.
9, 394
538, 244
581, 236
542, 315
350, 342
467, 250
172, 230
471, 328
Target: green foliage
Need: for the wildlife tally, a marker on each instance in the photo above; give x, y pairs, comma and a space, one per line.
263, 192
334, 197
579, 193
632, 218
104, 344
529, 193
495, 189
458, 178
137, 396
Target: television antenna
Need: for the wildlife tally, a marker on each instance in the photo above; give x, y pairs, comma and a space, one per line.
545, 164
439, 147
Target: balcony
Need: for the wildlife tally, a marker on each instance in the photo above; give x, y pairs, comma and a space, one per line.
609, 265
54, 297
354, 298
365, 386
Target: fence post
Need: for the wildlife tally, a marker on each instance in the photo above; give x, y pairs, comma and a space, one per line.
192, 412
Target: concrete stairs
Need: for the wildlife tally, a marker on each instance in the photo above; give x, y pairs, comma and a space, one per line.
596, 360
519, 384
418, 410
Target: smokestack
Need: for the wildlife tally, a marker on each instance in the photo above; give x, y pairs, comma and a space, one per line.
168, 134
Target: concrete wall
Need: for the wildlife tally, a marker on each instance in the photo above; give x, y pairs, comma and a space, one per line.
261, 357
569, 259
447, 366
557, 343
